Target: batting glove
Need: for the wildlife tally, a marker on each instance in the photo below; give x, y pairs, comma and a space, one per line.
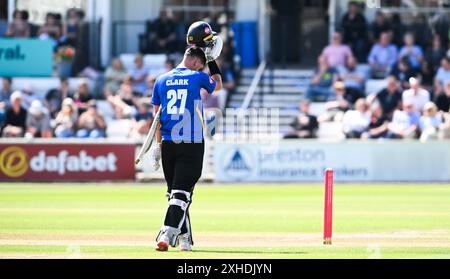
212, 53
155, 155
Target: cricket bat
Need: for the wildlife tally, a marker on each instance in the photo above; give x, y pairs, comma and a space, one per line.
150, 138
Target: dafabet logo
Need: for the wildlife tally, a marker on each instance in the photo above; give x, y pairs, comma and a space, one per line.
14, 161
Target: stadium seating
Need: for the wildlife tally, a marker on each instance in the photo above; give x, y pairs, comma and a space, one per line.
155, 63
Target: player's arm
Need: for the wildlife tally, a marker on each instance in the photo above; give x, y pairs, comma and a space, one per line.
218, 79
158, 128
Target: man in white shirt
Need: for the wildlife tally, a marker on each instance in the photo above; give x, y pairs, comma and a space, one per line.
416, 95
356, 122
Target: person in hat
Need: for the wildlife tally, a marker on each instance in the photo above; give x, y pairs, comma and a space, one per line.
38, 121
16, 115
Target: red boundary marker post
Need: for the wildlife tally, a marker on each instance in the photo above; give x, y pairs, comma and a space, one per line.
328, 212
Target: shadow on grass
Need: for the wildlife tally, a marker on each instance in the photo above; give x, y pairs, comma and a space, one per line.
247, 252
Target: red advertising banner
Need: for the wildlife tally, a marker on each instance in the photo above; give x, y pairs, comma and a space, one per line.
68, 162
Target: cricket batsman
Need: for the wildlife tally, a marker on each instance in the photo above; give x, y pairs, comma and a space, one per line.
179, 140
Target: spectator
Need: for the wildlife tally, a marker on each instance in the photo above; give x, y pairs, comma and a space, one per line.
162, 36
142, 121
139, 74
338, 105
353, 78
16, 115
416, 95
82, 96
443, 99
322, 82
51, 30
421, 31
398, 30
389, 98
71, 27
337, 54
356, 122
55, 97
430, 122
115, 75
6, 91
413, 52
378, 126
28, 96
403, 72
305, 125
379, 26
382, 57
19, 27
435, 54
150, 86
124, 103
66, 120
404, 123
442, 76
38, 121
354, 25
91, 124
444, 129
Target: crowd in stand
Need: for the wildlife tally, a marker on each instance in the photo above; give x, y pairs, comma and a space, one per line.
413, 60
64, 113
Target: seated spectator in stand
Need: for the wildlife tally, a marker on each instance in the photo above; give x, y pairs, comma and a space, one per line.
378, 126
421, 31
51, 30
150, 86
71, 27
38, 121
305, 125
19, 27
321, 87
139, 74
435, 54
163, 34
338, 105
91, 124
403, 72
412, 52
5, 96
66, 120
337, 54
382, 57
125, 102
356, 122
353, 78
444, 129
82, 96
354, 25
379, 25
390, 98
16, 116
416, 95
28, 96
115, 75
430, 122
142, 121
405, 123
55, 97
442, 76
443, 100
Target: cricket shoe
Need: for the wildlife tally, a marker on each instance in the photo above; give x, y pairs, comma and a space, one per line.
163, 244
185, 243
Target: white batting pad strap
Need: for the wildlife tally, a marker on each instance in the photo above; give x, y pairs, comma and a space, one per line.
179, 203
187, 194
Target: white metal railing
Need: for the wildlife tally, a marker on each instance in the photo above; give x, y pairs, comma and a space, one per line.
254, 85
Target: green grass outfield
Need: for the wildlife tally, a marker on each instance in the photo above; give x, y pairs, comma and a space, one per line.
240, 221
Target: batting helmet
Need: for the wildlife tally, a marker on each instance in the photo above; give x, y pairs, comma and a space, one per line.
200, 34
